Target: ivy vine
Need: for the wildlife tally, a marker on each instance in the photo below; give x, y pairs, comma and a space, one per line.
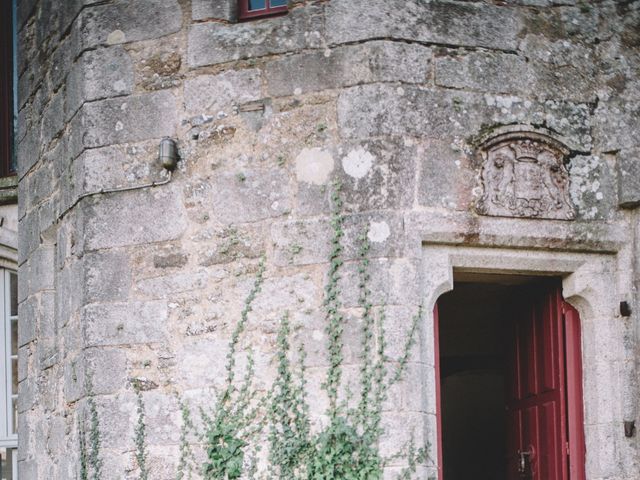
239, 420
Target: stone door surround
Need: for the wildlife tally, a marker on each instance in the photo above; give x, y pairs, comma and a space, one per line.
590, 284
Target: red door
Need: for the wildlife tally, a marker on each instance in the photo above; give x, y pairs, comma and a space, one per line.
539, 416
545, 434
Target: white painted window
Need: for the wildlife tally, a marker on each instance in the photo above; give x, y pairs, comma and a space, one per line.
9, 384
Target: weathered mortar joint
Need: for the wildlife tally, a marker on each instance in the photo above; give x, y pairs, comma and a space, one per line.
407, 41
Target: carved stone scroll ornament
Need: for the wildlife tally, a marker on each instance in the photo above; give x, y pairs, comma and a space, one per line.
523, 175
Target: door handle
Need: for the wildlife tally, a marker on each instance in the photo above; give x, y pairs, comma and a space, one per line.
524, 465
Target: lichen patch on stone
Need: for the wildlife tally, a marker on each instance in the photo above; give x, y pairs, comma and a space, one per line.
358, 163
115, 37
314, 165
378, 232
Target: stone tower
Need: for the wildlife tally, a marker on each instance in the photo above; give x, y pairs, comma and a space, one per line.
470, 138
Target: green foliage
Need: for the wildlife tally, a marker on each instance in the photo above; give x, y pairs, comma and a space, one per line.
288, 412
140, 434
187, 458
335, 319
234, 419
224, 451
90, 461
347, 447
82, 440
342, 452
95, 462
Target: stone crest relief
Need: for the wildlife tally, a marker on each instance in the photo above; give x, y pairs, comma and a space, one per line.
523, 175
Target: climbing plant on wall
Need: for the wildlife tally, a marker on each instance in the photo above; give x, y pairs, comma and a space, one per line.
346, 446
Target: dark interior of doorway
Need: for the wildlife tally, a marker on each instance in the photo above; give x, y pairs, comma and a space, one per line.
472, 336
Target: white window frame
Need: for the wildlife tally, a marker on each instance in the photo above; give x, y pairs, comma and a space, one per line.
8, 439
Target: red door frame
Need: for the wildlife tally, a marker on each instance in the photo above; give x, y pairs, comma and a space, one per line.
575, 408
572, 339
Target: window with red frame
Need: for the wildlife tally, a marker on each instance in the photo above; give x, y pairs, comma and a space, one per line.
261, 8
7, 158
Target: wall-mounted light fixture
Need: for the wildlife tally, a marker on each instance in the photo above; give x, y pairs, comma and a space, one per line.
168, 155
625, 309
629, 428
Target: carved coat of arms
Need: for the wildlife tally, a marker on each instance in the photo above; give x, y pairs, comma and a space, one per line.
524, 175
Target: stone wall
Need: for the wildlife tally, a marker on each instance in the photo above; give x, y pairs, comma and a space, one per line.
390, 97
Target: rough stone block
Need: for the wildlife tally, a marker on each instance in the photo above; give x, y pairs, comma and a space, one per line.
24, 10
170, 260
28, 311
108, 368
134, 218
28, 238
483, 71
41, 184
31, 80
99, 74
114, 167
194, 359
214, 42
47, 347
309, 242
158, 66
219, 10
69, 292
53, 118
565, 70
212, 93
373, 110
446, 176
63, 57
285, 293
378, 174
124, 323
119, 413
41, 269
29, 150
107, 276
28, 469
24, 357
24, 121
612, 122
301, 242
74, 381
393, 282
58, 157
129, 21
224, 245
443, 22
250, 196
46, 26
162, 413
124, 120
167, 286
348, 66
628, 166
592, 187
27, 394
23, 282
